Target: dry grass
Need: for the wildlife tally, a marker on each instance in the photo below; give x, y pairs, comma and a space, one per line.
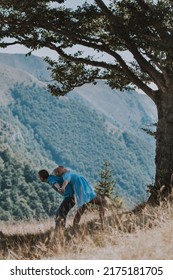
144, 235
155, 243
23, 227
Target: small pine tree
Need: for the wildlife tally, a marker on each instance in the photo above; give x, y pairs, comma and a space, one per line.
106, 186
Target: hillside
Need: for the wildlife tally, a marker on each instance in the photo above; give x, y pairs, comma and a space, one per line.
81, 131
129, 111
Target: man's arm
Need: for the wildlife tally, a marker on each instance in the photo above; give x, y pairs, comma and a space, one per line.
59, 189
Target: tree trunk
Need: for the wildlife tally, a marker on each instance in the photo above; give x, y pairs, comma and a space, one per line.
164, 148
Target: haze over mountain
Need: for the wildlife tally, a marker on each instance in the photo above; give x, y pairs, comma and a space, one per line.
30, 64
82, 130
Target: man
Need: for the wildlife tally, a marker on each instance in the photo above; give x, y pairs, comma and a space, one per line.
68, 201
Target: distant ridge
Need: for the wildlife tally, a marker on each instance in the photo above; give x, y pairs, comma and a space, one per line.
31, 64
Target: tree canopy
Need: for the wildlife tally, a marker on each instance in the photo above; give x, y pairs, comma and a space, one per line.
102, 36
125, 43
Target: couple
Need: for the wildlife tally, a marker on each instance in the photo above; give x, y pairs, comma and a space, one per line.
74, 188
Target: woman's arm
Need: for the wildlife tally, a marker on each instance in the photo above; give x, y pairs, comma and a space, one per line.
65, 183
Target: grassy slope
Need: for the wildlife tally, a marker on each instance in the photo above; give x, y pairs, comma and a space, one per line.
151, 237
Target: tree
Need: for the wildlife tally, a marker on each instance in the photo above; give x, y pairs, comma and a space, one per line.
142, 29
106, 186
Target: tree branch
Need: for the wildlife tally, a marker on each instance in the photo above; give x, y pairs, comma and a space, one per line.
151, 93
80, 59
144, 64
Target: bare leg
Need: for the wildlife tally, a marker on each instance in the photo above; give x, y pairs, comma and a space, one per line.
98, 200
78, 215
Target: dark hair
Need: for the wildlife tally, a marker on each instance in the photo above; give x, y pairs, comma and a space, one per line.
43, 174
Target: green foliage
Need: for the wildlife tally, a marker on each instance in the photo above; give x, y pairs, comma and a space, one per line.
143, 28
106, 186
22, 196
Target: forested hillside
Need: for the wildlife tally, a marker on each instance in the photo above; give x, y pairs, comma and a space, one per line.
22, 196
38, 130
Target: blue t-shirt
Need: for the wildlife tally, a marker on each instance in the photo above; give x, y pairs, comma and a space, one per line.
83, 191
52, 180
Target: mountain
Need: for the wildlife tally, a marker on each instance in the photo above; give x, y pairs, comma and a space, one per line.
31, 64
128, 110
82, 130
